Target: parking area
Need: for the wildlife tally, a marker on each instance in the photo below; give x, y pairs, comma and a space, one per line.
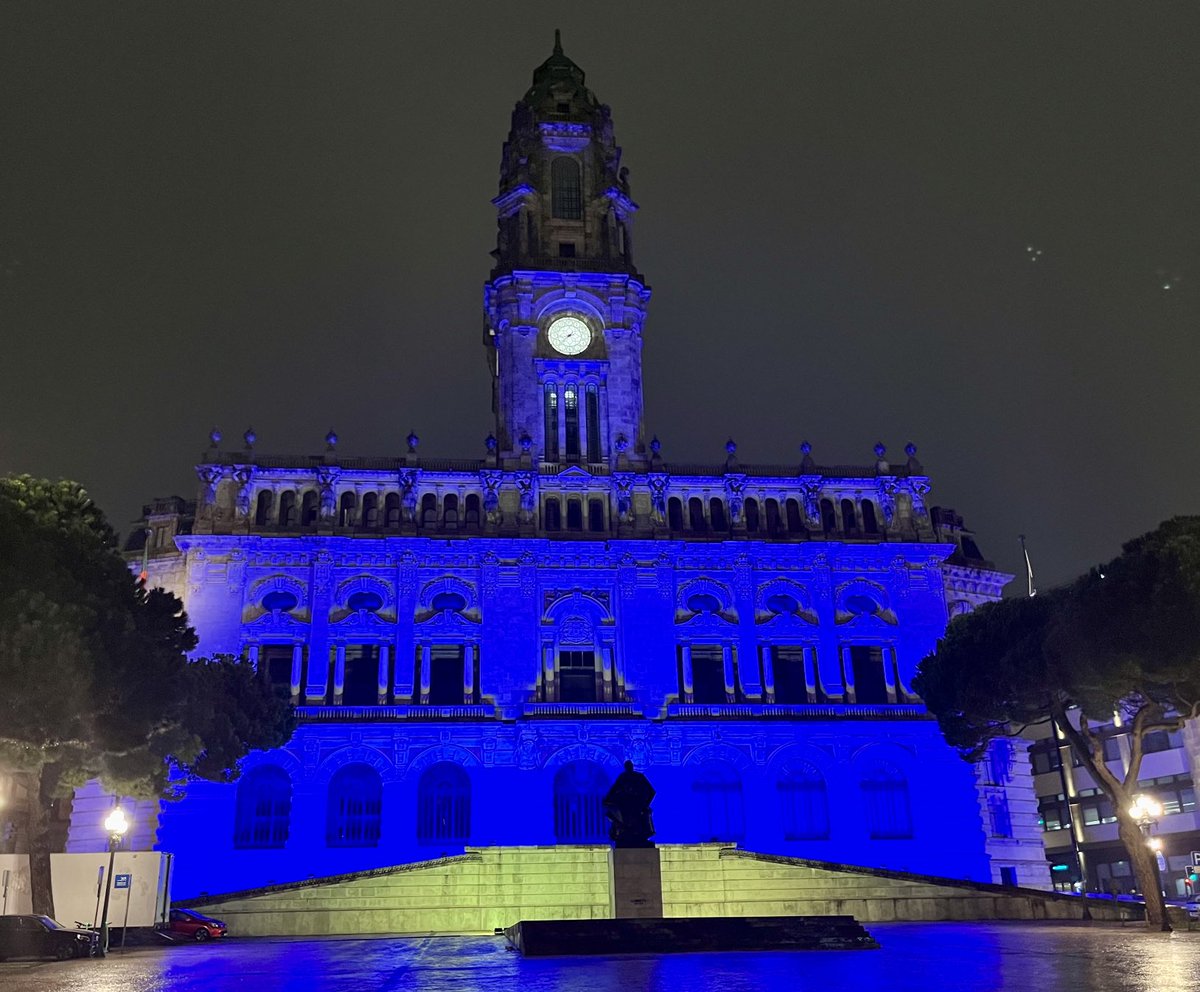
958, 957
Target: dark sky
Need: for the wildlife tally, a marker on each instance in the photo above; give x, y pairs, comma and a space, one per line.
277, 214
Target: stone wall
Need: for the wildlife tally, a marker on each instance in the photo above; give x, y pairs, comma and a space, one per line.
472, 893
495, 887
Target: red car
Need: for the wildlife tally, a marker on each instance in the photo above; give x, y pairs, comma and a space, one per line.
189, 925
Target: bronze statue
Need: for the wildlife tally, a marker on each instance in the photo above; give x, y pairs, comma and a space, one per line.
627, 805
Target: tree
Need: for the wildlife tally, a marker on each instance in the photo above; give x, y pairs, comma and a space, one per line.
1122, 641
97, 683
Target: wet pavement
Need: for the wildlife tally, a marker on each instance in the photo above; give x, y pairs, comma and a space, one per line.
914, 956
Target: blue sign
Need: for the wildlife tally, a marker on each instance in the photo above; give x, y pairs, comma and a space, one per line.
121, 881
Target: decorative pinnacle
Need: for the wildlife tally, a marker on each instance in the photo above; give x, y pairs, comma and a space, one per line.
489, 442
215, 436
805, 448
910, 449
526, 443
557, 42
249, 437
331, 440
731, 446
413, 441
880, 449
655, 444
622, 444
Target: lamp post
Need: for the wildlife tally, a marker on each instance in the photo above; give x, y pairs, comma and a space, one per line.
1146, 810
116, 824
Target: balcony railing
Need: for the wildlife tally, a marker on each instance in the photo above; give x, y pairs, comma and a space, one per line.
817, 711
580, 709
376, 714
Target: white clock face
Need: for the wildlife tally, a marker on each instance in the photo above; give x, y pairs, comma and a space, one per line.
569, 335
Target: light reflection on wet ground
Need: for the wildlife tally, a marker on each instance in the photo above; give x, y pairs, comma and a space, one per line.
914, 956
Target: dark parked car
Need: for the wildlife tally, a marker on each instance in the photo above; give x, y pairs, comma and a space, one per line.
189, 924
42, 937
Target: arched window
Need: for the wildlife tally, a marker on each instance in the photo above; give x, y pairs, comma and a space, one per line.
751, 512
579, 789
773, 522
472, 518
370, 510
551, 422
450, 512
717, 804
355, 807
870, 522
346, 509
553, 514
264, 808
885, 795
369, 601
429, 510
574, 514
716, 513
696, 521
674, 514
849, 517
803, 803
828, 519
288, 517
566, 195
571, 421
444, 805
452, 601
308, 509
595, 516
592, 413
280, 599
262, 511
391, 510
795, 523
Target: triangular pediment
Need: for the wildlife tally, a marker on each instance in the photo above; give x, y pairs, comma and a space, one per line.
574, 472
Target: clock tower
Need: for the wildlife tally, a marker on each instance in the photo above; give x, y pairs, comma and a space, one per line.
564, 308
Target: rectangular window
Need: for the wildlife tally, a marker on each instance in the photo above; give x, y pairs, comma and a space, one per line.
1112, 748
1054, 813
360, 680
790, 685
1008, 875
275, 665
708, 675
870, 685
571, 405
593, 425
551, 422
446, 675
577, 677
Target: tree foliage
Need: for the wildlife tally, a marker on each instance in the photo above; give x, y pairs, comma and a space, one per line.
96, 679
1122, 640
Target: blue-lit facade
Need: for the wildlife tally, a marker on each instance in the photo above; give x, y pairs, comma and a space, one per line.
475, 646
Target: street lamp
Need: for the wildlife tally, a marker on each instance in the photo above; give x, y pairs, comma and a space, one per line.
1146, 810
116, 824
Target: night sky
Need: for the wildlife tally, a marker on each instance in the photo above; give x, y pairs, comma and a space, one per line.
277, 214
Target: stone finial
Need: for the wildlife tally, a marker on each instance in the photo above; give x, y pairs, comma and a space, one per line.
731, 447
655, 444
413, 441
215, 436
880, 449
914, 466
621, 444
806, 462
249, 437
526, 443
557, 42
331, 440
490, 442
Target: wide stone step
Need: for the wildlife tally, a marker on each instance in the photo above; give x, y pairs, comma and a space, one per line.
546, 938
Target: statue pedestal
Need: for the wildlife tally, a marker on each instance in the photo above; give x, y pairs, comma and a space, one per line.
636, 883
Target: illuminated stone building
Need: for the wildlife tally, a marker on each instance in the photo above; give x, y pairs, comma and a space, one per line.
475, 646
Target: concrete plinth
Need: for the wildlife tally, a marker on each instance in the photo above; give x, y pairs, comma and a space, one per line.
636, 883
